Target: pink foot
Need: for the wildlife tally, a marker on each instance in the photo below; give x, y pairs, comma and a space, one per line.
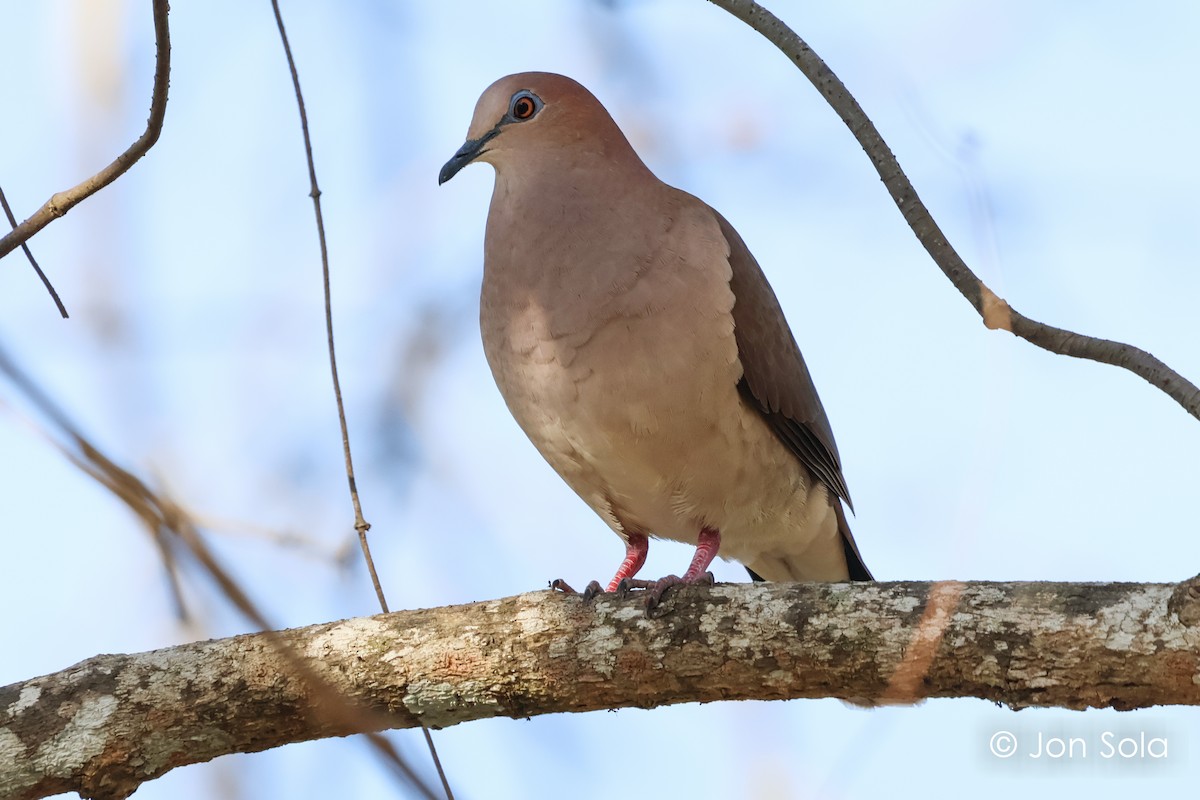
707, 545
656, 589
636, 547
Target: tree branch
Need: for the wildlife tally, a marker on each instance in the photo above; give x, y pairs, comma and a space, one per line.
996, 313
106, 725
12, 220
64, 201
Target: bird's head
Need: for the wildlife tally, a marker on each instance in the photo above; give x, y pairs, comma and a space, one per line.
532, 114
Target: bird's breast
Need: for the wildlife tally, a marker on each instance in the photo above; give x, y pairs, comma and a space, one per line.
615, 363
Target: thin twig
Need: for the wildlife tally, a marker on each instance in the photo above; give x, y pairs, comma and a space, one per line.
171, 568
171, 526
997, 314
64, 201
437, 762
12, 220
360, 524
283, 538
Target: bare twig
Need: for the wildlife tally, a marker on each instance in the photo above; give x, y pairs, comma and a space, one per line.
64, 201
360, 523
997, 314
283, 538
12, 220
171, 527
171, 566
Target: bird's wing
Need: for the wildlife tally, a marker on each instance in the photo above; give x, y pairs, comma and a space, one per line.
776, 383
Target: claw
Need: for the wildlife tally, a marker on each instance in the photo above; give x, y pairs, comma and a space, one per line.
656, 589
627, 585
589, 592
635, 555
655, 592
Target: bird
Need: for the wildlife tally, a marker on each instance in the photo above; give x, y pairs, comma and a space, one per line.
639, 346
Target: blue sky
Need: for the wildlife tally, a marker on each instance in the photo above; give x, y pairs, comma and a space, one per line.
1054, 144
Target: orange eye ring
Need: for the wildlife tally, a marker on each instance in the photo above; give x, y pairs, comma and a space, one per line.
523, 108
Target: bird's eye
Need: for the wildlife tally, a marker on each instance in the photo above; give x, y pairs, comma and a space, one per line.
524, 106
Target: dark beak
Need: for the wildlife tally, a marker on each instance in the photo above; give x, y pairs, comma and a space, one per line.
471, 150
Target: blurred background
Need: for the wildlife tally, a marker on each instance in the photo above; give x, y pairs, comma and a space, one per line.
1054, 143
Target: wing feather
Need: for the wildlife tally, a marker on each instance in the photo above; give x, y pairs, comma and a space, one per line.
776, 382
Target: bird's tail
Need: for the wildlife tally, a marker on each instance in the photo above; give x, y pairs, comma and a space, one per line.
854, 563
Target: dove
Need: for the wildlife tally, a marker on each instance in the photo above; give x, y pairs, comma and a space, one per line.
639, 346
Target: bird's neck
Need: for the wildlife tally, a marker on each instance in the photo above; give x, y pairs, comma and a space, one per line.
546, 235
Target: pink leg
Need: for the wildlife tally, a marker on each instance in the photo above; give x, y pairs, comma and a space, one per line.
707, 545
706, 550
636, 547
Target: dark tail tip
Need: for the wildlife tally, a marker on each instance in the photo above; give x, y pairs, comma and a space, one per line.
854, 563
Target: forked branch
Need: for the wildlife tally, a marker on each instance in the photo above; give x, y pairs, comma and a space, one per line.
994, 310
64, 201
